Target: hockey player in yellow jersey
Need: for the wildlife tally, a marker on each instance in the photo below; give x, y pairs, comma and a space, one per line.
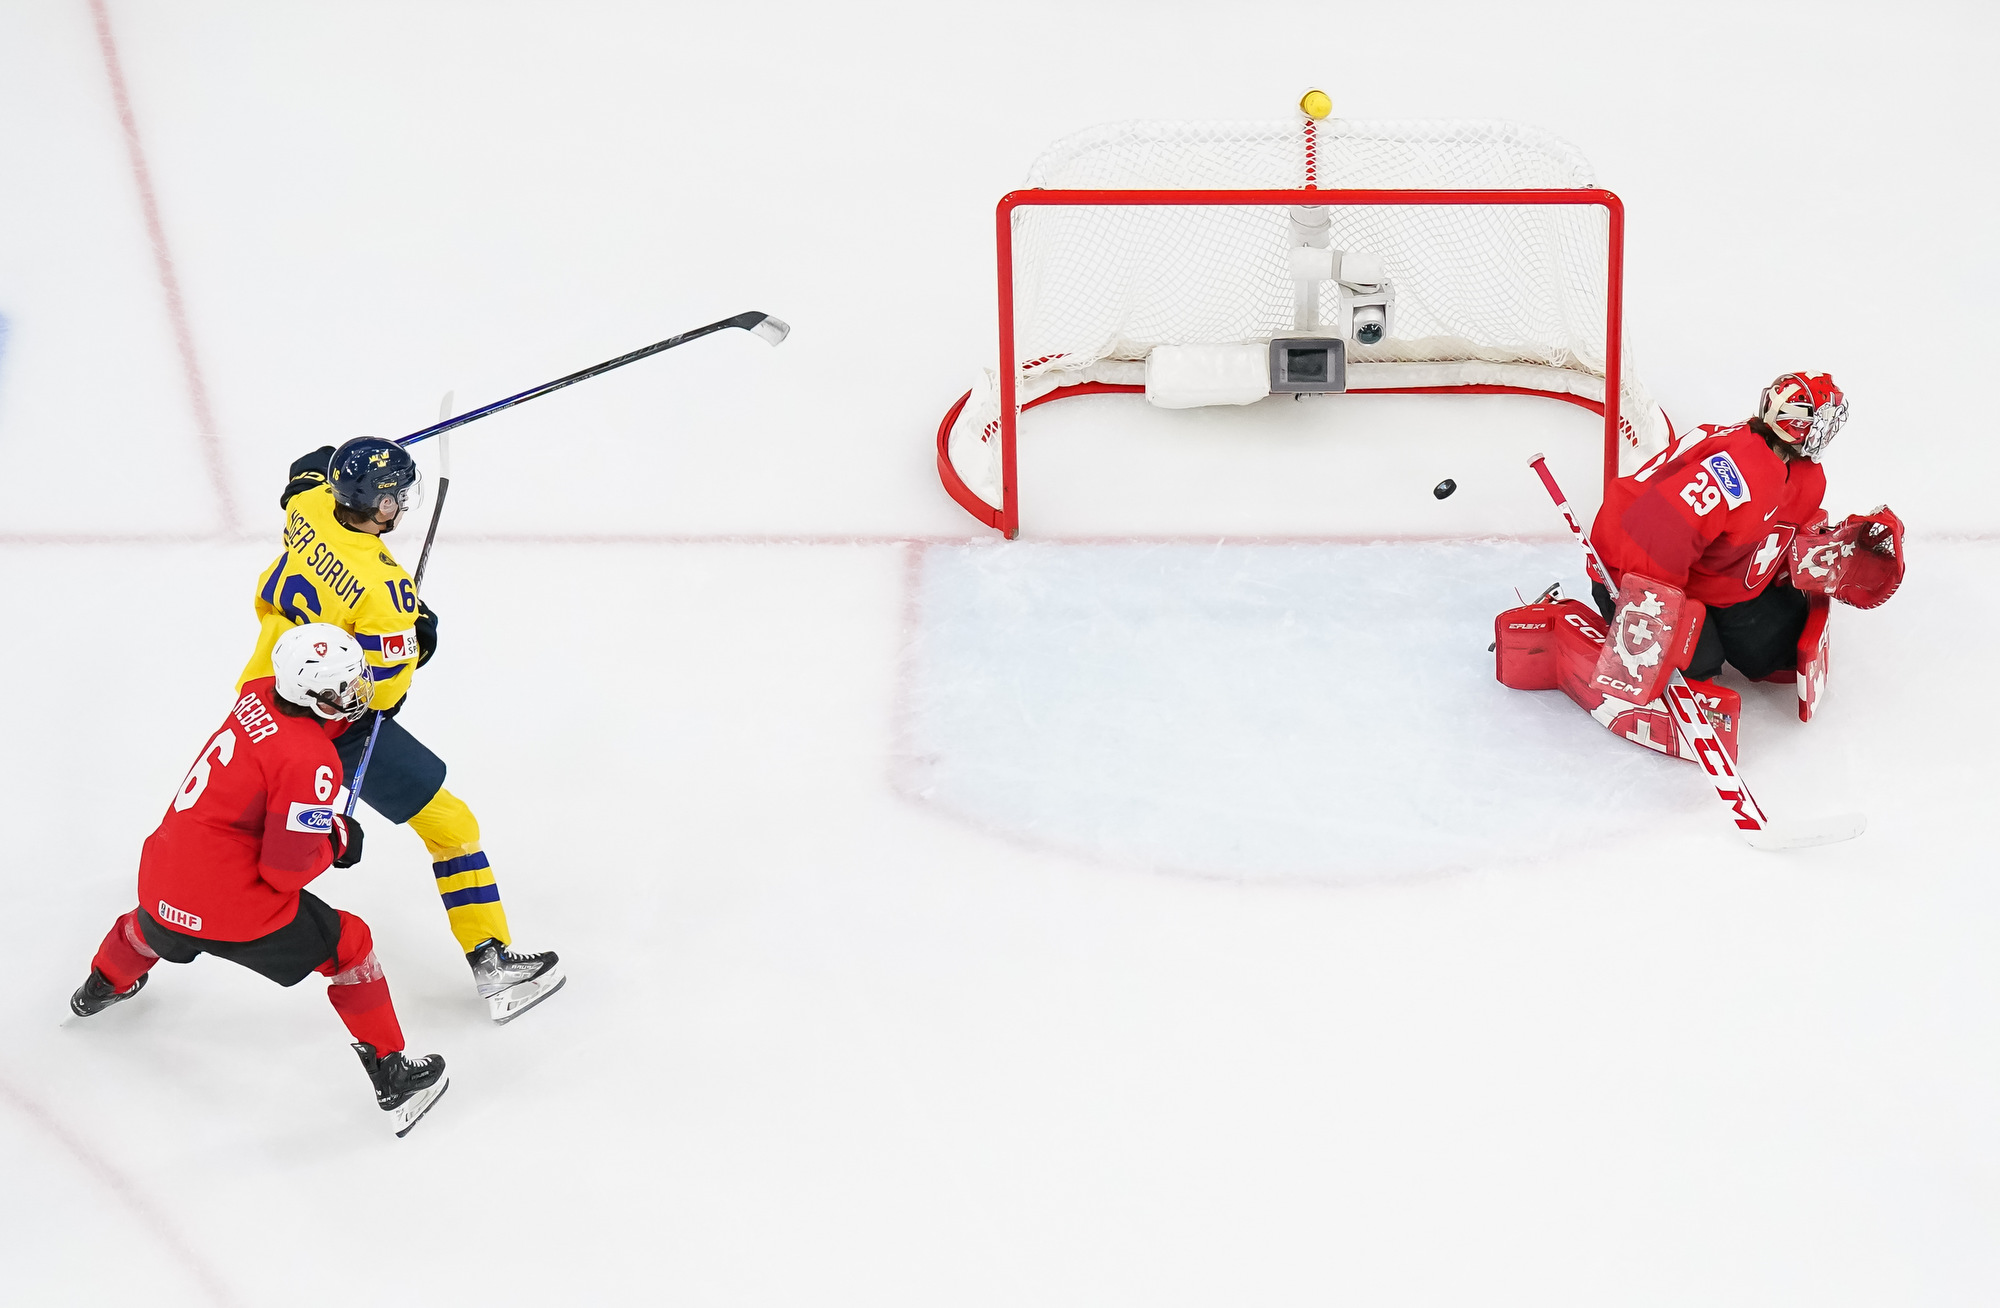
336, 567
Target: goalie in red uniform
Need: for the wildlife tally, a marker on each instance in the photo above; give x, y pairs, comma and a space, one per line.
1730, 516
1721, 554
252, 824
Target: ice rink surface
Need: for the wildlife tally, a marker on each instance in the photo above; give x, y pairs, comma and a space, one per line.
1165, 908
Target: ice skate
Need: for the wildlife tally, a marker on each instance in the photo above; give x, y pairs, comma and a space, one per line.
96, 994
404, 1087
512, 983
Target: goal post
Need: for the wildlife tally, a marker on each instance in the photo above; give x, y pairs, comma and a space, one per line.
1415, 289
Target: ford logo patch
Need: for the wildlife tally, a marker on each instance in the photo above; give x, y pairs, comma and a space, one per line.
315, 818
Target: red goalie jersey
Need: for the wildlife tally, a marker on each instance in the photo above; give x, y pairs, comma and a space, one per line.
1713, 514
251, 825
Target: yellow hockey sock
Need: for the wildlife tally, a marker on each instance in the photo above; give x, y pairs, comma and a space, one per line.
464, 879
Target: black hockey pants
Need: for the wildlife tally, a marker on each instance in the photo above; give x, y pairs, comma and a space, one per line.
1757, 637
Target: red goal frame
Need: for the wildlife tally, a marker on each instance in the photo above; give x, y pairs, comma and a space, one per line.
1007, 517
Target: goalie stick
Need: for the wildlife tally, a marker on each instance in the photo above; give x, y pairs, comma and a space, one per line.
416, 584
1698, 733
761, 325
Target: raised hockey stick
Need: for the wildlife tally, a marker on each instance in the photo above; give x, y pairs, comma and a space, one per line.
416, 584
761, 325
437, 509
1699, 733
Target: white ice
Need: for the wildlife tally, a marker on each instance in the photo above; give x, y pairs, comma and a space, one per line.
1165, 908
1102, 699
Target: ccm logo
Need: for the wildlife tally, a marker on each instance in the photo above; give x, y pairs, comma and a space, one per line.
1583, 625
1623, 687
176, 917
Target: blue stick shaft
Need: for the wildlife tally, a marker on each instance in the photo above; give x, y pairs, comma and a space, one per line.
367, 752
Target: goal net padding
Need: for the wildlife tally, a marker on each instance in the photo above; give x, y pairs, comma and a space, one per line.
1500, 265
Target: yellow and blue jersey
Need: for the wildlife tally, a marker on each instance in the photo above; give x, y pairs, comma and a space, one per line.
333, 573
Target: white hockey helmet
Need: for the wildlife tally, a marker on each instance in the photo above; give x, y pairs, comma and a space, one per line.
322, 668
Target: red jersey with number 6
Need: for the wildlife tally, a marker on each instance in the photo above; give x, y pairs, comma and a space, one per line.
1712, 514
249, 826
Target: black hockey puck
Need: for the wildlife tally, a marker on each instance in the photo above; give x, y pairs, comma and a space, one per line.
1444, 488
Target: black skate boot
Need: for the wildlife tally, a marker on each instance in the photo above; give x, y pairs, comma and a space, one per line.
96, 994
511, 983
404, 1087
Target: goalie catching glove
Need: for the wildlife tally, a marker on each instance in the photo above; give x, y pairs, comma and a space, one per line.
1858, 561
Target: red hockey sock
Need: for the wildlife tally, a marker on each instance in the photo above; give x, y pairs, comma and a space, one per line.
124, 956
359, 992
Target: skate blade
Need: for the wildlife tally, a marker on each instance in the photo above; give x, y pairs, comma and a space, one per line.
405, 1116
518, 999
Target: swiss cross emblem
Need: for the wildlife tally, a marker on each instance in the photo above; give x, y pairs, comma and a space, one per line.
1637, 637
319, 648
1767, 555
1819, 562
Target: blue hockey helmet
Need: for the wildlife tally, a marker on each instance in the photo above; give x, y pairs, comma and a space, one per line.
368, 470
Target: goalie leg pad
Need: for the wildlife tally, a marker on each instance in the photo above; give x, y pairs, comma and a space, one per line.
1559, 647
1551, 646
1652, 725
1814, 643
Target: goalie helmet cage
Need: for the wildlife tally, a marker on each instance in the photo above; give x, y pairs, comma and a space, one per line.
1506, 259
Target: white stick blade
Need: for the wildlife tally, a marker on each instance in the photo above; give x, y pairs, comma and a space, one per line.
772, 330
444, 441
1805, 835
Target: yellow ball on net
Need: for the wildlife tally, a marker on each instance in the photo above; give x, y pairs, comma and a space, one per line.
1315, 104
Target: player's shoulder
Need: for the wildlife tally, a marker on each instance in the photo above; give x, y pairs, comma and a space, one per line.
314, 505
1743, 463
278, 737
1729, 463
363, 553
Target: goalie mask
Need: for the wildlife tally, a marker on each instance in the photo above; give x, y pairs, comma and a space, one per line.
321, 667
1806, 409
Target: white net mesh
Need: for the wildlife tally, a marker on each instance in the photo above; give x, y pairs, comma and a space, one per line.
1488, 294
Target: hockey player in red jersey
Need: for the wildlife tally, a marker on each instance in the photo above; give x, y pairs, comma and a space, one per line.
1721, 553
1721, 514
251, 825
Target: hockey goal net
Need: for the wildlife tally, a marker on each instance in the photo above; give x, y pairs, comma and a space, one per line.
1503, 261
